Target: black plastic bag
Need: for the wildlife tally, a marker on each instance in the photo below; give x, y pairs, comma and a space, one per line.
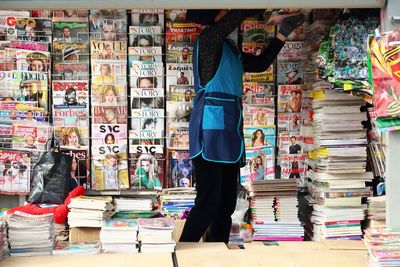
51, 175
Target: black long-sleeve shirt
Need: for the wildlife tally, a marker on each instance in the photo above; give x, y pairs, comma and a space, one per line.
211, 43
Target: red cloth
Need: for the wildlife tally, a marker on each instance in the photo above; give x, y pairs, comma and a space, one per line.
60, 212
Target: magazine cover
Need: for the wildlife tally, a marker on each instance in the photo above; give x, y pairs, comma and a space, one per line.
108, 25
260, 77
145, 36
181, 32
80, 167
148, 146
29, 45
255, 31
260, 165
146, 69
147, 92
71, 71
179, 169
75, 52
32, 60
147, 128
290, 73
70, 14
146, 82
180, 74
109, 134
180, 93
27, 114
71, 31
109, 114
30, 137
109, 50
290, 98
150, 53
109, 94
26, 86
29, 29
289, 123
71, 116
148, 17
39, 13
291, 51
294, 167
179, 111
179, 52
147, 102
15, 172
72, 137
178, 136
290, 144
108, 72
175, 15
5, 134
110, 172
258, 93
70, 93
146, 171
254, 115
259, 136
10, 61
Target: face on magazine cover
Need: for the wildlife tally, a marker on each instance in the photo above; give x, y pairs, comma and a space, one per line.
148, 19
111, 160
105, 69
109, 139
110, 115
73, 137
108, 31
147, 82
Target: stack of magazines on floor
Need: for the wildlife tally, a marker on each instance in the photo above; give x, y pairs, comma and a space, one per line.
274, 210
337, 176
89, 211
176, 202
383, 247
377, 211
75, 248
30, 235
133, 208
119, 236
155, 234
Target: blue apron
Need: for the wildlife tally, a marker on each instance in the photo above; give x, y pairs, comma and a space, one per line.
216, 126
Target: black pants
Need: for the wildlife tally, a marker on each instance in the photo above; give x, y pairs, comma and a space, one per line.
216, 186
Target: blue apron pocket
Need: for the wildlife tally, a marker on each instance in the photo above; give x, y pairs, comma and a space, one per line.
213, 118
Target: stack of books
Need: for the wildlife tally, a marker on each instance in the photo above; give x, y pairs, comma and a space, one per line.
377, 211
176, 202
76, 248
31, 235
89, 211
155, 234
275, 212
383, 247
119, 236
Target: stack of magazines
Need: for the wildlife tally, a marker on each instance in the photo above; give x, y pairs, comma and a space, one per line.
377, 211
383, 247
30, 235
89, 211
119, 235
81, 248
155, 235
176, 202
274, 211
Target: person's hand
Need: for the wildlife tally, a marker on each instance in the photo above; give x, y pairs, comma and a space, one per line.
290, 23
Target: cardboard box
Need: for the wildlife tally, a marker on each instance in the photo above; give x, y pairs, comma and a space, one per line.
179, 224
77, 234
